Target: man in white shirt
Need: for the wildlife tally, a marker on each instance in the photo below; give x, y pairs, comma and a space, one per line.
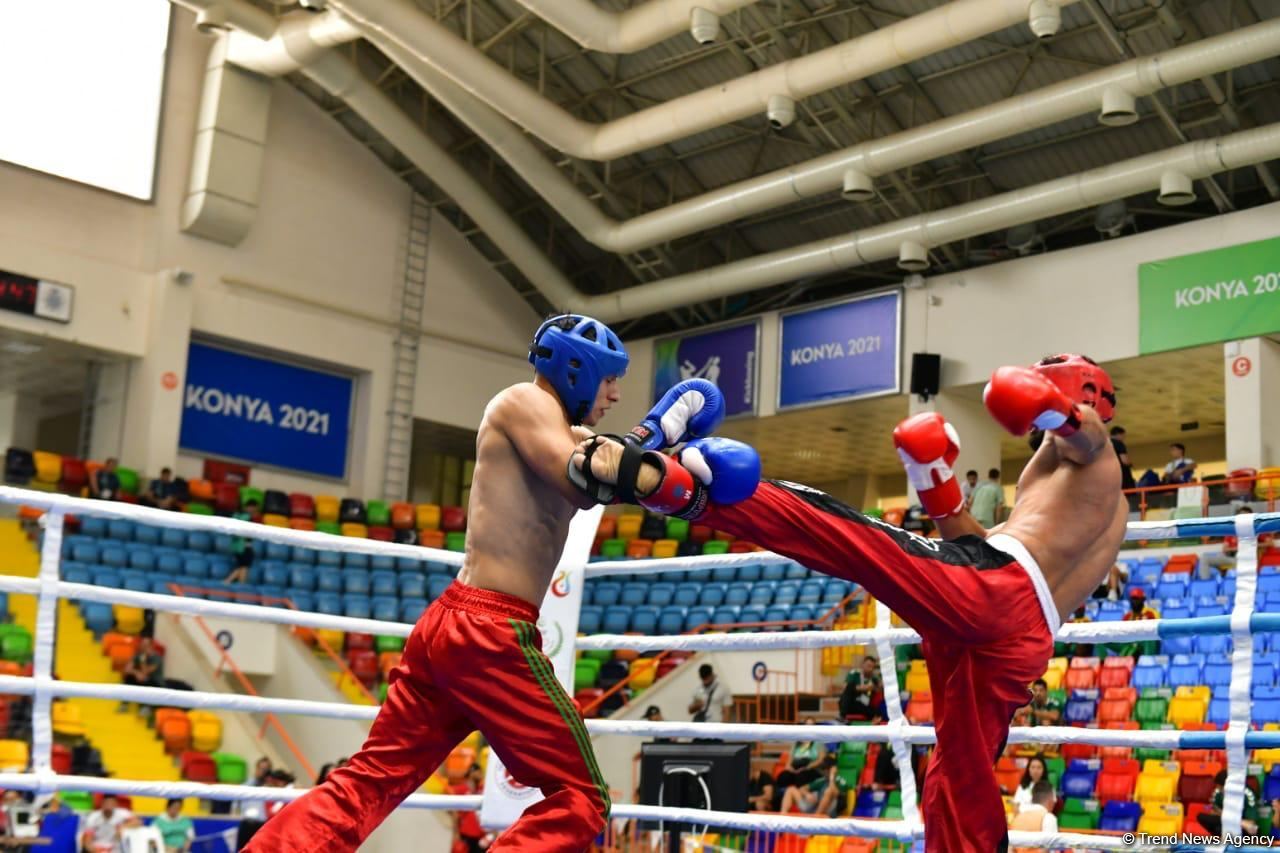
1037, 815
710, 699
102, 828
1181, 467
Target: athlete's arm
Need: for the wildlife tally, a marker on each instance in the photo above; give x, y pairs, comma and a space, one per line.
534, 422
1086, 443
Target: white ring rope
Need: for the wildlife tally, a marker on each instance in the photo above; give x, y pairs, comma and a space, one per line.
44, 688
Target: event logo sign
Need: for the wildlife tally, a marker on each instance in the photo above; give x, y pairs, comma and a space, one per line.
724, 356
505, 799
841, 351
259, 410
1220, 295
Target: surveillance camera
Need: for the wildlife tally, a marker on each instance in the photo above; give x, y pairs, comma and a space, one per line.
781, 111
704, 25
1045, 18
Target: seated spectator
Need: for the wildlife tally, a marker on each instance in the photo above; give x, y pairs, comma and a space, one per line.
261, 770
176, 829
1113, 588
1211, 818
101, 832
654, 715
467, 834
144, 669
162, 491
1180, 468
1037, 815
821, 796
1043, 709
105, 485
242, 547
1082, 650
760, 795
254, 813
863, 695
1036, 770
278, 778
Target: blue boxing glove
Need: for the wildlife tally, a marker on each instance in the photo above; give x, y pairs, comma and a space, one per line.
729, 469
691, 409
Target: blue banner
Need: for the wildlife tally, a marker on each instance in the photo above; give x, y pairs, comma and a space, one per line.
725, 356
841, 351
258, 410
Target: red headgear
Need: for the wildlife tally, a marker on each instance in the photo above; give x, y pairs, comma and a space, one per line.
1082, 380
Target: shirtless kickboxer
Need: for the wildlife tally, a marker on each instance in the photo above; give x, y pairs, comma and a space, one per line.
474, 660
986, 603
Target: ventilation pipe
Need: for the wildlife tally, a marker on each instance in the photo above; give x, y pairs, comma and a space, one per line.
1119, 107
856, 185
781, 111
912, 257
1053, 198
1175, 189
214, 15
1042, 107
643, 25
299, 40
1045, 18
389, 23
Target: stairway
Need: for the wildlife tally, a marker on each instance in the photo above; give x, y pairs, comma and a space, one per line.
129, 747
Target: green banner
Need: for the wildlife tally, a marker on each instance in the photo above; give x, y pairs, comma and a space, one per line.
1221, 295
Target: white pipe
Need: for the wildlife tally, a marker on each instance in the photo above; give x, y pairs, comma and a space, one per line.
635, 29
825, 174
236, 14
342, 80
299, 40
1052, 198
398, 22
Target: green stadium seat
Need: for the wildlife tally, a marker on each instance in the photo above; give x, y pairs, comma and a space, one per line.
585, 672
601, 655
383, 643
15, 643
455, 540
197, 508
329, 527
232, 769
715, 546
378, 514
81, 801
615, 548
1151, 709
128, 480
251, 493
1079, 814
677, 529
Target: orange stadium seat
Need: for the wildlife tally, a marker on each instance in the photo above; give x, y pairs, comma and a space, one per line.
608, 527
200, 490
429, 538
639, 549
402, 516
302, 523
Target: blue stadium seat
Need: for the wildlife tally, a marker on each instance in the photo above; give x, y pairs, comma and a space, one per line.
712, 595
661, 594
1270, 658
1264, 674
411, 609
687, 595
835, 591
788, 593
1082, 707
329, 603
796, 572
326, 558
327, 579
1228, 587
160, 586
436, 585
773, 571
698, 576
118, 528
737, 594
1204, 587
1080, 778
1185, 670
811, 591
196, 567
696, 617
200, 540
142, 559
410, 564
92, 526
383, 583
145, 534
1267, 602
1219, 711
302, 576
1171, 586
114, 555
1120, 816
751, 613
84, 552
644, 620
1217, 671
382, 563
605, 593
275, 574
277, 551
270, 591
303, 600
724, 574
1269, 583
298, 554
802, 613
135, 581
1213, 644
777, 613
1175, 609
1179, 645
355, 581
870, 803
1212, 607
78, 573
172, 537
671, 620
762, 593
672, 577
616, 619
169, 562
357, 606
750, 572
354, 560
413, 585
634, 594
589, 618
726, 616
386, 608
98, 617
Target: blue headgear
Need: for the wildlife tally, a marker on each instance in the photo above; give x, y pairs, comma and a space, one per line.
575, 353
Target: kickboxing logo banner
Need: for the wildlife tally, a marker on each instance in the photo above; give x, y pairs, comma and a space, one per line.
726, 357
505, 799
841, 351
1219, 295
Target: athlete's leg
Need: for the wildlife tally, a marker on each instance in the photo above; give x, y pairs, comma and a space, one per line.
413, 733
509, 689
945, 588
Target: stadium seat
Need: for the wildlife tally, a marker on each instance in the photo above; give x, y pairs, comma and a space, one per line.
198, 767
1116, 672
1161, 819
411, 609
1082, 673
1082, 707
302, 505
232, 769
206, 730
1117, 779
1196, 782
1118, 816
1080, 778
644, 620
48, 467
67, 720
74, 475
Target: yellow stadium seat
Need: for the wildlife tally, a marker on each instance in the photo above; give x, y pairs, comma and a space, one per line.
359, 531
629, 526
48, 467
663, 548
1266, 757
1154, 789
1161, 819
14, 755
67, 720
819, 844
331, 638
1156, 767
643, 672
326, 508
427, 516
1199, 691
1186, 709
206, 731
1053, 679
129, 620
917, 682
275, 520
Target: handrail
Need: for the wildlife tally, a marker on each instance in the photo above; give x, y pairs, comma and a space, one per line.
1143, 492
815, 622
344, 669
269, 719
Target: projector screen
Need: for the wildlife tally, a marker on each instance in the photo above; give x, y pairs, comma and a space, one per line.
80, 89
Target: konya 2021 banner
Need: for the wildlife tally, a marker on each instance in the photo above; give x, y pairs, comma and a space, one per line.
1220, 295
725, 356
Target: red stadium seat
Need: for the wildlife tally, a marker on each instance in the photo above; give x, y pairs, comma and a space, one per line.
1191, 825
199, 767
74, 476
1008, 774
1116, 672
1083, 751
382, 534
301, 505
700, 533
453, 518
226, 497
364, 665
1196, 783
358, 642
1117, 780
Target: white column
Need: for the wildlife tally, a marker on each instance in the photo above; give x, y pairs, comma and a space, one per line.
1251, 377
19, 419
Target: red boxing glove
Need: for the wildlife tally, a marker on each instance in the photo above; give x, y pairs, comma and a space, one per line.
928, 447
1020, 399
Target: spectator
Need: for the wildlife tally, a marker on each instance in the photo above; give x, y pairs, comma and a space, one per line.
102, 828
1211, 818
970, 483
760, 795
1180, 468
242, 547
1035, 771
1043, 710
710, 699
277, 778
819, 796
467, 833
105, 485
863, 691
1230, 544
1113, 589
145, 669
987, 501
654, 715
162, 491
261, 770
176, 829
1083, 650
1122, 453
1138, 608
1037, 815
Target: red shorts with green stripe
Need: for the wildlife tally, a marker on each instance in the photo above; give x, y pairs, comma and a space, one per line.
474, 661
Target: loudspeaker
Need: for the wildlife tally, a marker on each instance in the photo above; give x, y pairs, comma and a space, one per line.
926, 368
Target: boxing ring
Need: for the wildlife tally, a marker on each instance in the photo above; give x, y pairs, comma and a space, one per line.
1237, 740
